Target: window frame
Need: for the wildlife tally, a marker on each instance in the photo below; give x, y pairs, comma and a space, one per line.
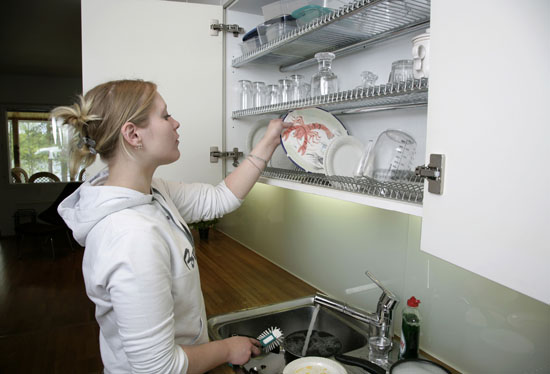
5, 150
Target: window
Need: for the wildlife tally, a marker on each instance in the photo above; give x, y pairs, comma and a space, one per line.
37, 144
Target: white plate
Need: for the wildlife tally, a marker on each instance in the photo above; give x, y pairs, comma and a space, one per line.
279, 158
306, 142
343, 156
314, 365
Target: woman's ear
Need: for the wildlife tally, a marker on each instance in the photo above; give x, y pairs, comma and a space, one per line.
130, 133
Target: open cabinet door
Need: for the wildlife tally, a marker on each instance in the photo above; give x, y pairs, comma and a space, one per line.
170, 44
489, 115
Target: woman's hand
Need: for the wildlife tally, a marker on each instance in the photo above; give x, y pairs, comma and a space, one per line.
241, 348
241, 180
273, 133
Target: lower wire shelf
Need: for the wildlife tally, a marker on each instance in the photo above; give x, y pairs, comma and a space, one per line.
408, 189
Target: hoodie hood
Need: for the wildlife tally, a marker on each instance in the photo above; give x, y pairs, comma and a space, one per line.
93, 201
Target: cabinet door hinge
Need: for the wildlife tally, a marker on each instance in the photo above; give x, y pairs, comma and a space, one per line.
216, 27
433, 173
215, 155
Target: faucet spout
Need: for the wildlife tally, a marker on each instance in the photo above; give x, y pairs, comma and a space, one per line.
359, 314
380, 322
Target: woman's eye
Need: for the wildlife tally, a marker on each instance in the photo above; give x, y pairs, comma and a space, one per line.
167, 116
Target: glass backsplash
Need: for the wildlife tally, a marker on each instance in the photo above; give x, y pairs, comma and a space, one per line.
469, 322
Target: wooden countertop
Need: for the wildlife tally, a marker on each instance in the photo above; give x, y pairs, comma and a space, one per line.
234, 277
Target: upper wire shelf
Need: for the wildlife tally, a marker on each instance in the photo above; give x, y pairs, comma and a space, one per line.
342, 31
413, 92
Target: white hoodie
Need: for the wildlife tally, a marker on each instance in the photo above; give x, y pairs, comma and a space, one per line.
140, 268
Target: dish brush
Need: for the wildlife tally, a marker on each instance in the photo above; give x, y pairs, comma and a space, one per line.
271, 338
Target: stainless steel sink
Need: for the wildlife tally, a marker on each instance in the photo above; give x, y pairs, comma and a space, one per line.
290, 317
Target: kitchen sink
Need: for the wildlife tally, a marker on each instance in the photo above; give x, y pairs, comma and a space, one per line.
290, 317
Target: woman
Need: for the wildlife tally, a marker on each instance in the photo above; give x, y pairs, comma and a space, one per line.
139, 265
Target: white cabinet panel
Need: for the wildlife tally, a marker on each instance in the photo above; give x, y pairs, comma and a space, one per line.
168, 43
488, 113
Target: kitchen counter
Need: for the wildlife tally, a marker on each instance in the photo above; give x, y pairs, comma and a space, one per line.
234, 278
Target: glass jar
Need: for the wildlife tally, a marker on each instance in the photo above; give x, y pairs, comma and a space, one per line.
325, 81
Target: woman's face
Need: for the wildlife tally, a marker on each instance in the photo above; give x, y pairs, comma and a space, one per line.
160, 137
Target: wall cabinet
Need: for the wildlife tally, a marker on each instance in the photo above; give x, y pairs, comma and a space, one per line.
477, 116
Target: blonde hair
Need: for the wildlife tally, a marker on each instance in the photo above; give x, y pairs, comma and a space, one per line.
98, 116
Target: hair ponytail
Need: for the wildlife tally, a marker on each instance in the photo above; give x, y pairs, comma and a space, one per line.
97, 117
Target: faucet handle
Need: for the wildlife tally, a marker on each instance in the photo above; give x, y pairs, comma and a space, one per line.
387, 292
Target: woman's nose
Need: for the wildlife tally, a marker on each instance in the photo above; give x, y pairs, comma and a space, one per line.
176, 124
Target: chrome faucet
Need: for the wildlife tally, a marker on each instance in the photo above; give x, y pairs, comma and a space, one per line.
380, 323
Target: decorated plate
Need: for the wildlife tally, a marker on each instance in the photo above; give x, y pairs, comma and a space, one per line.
279, 158
314, 365
307, 140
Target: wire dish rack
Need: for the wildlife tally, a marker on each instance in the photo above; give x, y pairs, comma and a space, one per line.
407, 187
413, 92
350, 28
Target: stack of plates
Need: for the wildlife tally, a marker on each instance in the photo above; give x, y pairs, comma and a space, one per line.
317, 142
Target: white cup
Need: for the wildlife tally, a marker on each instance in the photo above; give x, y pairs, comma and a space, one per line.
421, 54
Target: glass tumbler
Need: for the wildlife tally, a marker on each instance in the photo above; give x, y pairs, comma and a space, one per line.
324, 81
299, 90
272, 96
391, 157
258, 94
286, 89
244, 91
401, 71
379, 347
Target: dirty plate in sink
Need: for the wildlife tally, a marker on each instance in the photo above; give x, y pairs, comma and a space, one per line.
314, 365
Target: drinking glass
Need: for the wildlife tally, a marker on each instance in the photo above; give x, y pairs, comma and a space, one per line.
307, 90
258, 94
324, 81
272, 96
401, 71
299, 88
286, 88
244, 89
379, 347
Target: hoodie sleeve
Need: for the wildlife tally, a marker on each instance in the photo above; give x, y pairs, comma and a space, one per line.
139, 284
201, 202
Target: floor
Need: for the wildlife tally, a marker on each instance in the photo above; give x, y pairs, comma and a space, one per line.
47, 322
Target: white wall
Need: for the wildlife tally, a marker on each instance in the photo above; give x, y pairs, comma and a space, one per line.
471, 323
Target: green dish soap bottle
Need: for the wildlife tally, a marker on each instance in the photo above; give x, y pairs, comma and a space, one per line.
410, 330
